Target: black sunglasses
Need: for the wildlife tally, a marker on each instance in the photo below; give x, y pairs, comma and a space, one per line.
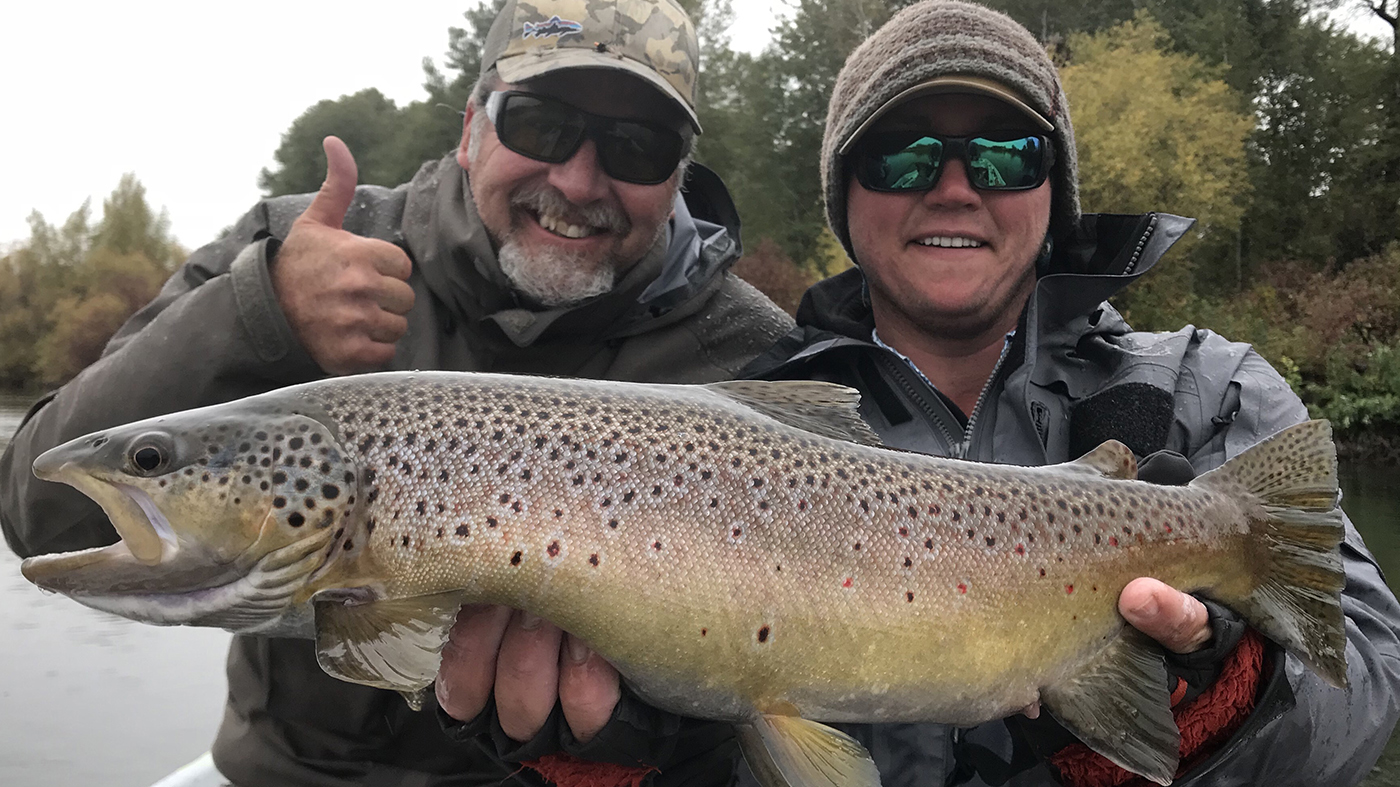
898, 161
547, 129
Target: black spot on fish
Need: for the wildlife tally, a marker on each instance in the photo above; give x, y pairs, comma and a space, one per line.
295, 443
404, 541
991, 541
302, 484
763, 634
296, 519
515, 559
279, 502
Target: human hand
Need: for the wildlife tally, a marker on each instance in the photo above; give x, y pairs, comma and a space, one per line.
345, 296
529, 663
1176, 620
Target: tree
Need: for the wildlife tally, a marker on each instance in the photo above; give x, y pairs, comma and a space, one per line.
1158, 130
68, 289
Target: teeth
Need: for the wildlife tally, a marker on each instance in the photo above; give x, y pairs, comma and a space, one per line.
946, 242
557, 226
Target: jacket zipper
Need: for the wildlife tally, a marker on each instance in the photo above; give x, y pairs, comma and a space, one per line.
965, 447
1141, 244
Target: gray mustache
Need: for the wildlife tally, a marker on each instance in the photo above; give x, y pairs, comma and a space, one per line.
543, 198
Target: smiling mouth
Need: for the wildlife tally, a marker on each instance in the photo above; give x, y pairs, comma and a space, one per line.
950, 242
561, 228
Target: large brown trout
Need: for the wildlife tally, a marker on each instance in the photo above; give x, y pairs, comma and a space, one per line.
740, 551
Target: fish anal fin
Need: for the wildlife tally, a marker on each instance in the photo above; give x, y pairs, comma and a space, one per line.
1111, 459
826, 409
1119, 706
391, 644
789, 751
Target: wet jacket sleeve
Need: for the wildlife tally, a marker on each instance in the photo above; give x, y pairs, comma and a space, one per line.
1302, 731
214, 333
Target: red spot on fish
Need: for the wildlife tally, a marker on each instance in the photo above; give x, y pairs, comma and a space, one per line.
962, 588
1069, 588
1020, 549
904, 532
1042, 572
553, 549
801, 505
1167, 528
847, 583
1113, 541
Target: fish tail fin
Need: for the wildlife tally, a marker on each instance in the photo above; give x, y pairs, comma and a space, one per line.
1297, 527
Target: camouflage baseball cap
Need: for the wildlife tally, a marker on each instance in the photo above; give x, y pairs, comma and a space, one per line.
650, 39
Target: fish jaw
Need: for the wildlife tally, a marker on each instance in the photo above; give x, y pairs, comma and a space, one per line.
145, 532
188, 592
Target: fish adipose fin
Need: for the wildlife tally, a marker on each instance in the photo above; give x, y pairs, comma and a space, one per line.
394, 644
1111, 459
1295, 520
1119, 706
826, 409
790, 751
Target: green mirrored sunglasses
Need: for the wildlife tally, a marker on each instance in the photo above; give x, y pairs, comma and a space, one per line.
913, 161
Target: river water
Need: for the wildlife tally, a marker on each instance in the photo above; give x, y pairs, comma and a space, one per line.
92, 699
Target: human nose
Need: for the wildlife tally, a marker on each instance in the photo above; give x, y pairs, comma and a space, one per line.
580, 179
953, 188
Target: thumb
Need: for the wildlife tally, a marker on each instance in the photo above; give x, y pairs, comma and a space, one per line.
329, 205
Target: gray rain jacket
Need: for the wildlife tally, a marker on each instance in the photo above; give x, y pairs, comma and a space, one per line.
1073, 375
215, 333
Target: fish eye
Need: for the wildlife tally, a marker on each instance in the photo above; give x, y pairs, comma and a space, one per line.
147, 458
149, 454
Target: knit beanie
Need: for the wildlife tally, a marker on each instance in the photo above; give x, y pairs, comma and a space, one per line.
939, 39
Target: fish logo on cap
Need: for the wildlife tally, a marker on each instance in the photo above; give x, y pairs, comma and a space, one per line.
554, 27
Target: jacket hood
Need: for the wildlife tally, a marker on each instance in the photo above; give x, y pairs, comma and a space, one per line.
458, 261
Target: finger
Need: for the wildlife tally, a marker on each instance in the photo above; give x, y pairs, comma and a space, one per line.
527, 675
393, 295
468, 669
329, 205
1178, 621
386, 328
391, 260
589, 688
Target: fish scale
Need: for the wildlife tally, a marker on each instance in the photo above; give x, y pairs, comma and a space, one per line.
740, 551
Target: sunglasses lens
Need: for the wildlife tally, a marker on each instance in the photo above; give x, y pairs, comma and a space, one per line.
639, 153
541, 129
550, 130
1006, 164
897, 163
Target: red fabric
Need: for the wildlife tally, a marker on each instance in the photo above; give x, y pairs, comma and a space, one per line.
566, 770
1206, 722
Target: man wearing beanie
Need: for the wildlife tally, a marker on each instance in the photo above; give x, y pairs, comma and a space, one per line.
975, 325
557, 240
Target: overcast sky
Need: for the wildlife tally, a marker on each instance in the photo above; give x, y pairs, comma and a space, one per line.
193, 97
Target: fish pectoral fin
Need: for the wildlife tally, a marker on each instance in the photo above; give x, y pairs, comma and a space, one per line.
827, 409
1111, 459
391, 644
1119, 706
790, 751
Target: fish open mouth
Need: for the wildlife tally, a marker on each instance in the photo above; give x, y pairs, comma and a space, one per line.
143, 528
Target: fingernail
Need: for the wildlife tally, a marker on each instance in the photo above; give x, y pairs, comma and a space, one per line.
529, 621
578, 651
1148, 608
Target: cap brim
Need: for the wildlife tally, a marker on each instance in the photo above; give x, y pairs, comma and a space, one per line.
522, 68
951, 84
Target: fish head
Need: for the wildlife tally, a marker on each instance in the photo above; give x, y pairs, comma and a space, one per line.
223, 513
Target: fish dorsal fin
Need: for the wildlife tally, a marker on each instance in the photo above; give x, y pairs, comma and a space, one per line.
1118, 705
790, 751
392, 644
1111, 459
826, 409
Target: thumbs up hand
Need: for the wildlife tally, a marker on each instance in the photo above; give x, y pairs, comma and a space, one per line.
345, 296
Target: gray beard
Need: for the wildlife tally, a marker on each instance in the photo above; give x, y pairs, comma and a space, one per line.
553, 277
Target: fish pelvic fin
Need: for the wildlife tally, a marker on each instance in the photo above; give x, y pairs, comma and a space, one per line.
391, 644
826, 409
790, 751
1118, 705
1298, 527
